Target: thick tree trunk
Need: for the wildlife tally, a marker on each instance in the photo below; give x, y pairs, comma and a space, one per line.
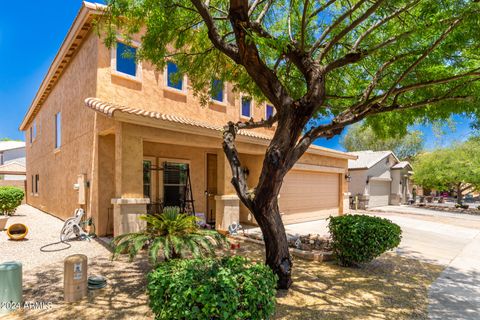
276, 244
459, 193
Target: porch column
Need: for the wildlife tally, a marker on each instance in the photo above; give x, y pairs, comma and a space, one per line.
129, 202
227, 203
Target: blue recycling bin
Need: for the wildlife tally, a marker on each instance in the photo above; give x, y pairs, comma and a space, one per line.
10, 286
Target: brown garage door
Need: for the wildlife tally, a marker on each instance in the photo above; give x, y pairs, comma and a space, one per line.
307, 195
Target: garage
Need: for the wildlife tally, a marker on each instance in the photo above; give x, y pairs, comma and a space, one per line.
309, 195
379, 193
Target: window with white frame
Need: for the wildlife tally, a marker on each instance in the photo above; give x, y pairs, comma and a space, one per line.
33, 131
175, 79
218, 90
58, 130
269, 111
124, 62
246, 107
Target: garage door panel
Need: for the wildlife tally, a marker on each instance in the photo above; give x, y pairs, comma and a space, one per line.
379, 194
309, 195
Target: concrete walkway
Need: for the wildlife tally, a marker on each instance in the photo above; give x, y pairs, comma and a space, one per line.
426, 212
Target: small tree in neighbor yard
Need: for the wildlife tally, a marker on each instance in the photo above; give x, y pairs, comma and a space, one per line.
323, 65
455, 168
405, 147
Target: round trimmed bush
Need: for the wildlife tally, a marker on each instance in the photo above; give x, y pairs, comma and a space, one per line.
228, 288
10, 199
359, 239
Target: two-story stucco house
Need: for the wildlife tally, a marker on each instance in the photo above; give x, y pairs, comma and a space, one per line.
12, 161
379, 178
117, 137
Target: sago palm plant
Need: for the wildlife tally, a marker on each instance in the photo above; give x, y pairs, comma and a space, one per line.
171, 234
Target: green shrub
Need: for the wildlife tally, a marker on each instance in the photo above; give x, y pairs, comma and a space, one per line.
10, 199
461, 206
228, 288
170, 234
359, 238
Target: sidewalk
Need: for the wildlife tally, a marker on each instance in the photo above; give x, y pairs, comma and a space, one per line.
456, 293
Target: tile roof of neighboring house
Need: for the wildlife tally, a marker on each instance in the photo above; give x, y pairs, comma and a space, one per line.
22, 161
10, 145
367, 159
109, 109
401, 165
13, 167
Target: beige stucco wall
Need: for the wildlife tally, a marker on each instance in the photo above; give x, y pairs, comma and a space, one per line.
152, 94
58, 170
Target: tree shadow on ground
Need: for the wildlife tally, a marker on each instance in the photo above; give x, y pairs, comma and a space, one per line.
390, 287
123, 298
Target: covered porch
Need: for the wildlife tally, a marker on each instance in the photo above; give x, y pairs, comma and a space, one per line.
143, 169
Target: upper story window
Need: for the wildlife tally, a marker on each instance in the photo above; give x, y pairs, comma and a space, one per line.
58, 130
174, 76
218, 90
1, 158
269, 111
126, 62
33, 131
246, 107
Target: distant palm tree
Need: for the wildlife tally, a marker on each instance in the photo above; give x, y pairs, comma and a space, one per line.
171, 234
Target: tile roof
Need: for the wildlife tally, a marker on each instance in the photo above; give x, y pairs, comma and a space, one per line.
10, 145
367, 159
401, 165
109, 109
12, 167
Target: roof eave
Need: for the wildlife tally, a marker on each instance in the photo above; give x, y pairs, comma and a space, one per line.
87, 10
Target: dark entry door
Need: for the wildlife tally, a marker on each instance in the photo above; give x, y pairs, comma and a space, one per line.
211, 187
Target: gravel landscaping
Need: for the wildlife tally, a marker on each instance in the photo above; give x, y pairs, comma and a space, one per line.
43, 229
391, 287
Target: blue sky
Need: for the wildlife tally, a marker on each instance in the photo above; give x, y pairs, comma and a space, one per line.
31, 33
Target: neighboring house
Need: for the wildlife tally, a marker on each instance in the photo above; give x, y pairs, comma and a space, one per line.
12, 160
379, 178
119, 137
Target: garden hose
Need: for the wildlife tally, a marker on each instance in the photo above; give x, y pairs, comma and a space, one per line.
88, 222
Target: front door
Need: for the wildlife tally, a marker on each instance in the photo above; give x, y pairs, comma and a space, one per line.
211, 187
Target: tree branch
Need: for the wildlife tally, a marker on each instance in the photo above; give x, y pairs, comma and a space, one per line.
239, 179
213, 34
250, 124
381, 22
349, 28
264, 11
321, 8
332, 26
303, 24
421, 58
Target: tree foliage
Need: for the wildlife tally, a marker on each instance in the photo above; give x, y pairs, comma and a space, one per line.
322, 64
405, 147
457, 168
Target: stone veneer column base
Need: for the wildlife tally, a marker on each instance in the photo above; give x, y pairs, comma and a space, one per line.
227, 211
363, 200
126, 214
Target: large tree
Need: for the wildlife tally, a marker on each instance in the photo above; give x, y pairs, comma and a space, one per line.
322, 64
405, 146
457, 168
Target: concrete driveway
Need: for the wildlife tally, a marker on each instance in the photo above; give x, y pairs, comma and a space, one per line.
451, 240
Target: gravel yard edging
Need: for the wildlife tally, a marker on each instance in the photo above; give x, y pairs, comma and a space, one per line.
314, 255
